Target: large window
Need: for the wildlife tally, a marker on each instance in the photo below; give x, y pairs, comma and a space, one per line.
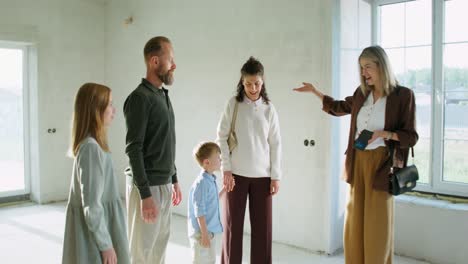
14, 178
427, 42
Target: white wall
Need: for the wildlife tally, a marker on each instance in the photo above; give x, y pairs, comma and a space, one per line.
69, 39
431, 230
212, 39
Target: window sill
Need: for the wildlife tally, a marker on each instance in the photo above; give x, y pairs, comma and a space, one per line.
433, 201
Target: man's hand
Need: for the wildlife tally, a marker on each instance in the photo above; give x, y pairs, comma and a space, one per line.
149, 211
176, 194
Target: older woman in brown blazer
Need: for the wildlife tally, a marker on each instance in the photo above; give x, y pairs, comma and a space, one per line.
387, 109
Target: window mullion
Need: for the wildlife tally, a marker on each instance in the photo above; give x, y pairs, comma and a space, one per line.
26, 118
437, 144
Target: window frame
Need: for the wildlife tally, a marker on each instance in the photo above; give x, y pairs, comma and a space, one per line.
436, 183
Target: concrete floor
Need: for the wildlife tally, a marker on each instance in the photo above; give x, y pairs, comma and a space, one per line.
31, 233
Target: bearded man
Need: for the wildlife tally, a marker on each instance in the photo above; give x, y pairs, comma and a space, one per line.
152, 184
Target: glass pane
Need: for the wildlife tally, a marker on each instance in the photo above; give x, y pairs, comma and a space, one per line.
11, 120
418, 63
349, 24
418, 23
456, 106
417, 76
422, 152
365, 24
392, 25
456, 159
456, 19
397, 61
412, 66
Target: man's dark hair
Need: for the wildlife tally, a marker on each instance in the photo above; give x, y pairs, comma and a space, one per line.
154, 47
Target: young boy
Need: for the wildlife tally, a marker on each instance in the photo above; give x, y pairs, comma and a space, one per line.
204, 220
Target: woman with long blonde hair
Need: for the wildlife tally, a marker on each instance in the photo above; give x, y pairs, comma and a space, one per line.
95, 219
386, 112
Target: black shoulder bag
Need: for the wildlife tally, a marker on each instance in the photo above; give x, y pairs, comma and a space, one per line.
403, 179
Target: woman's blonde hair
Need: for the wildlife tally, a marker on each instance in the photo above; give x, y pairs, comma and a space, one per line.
387, 77
91, 102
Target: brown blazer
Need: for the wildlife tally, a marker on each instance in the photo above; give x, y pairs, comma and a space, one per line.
400, 112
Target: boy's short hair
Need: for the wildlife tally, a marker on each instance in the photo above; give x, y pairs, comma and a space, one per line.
204, 150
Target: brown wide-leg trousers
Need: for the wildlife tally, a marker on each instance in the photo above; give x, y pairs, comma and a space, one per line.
368, 232
258, 191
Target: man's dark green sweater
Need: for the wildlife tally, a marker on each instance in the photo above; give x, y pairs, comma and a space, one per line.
150, 137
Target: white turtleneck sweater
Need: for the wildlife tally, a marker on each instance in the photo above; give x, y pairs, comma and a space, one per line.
258, 152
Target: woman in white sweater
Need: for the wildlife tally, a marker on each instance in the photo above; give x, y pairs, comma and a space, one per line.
255, 164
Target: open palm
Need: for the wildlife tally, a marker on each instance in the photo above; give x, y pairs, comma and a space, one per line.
307, 88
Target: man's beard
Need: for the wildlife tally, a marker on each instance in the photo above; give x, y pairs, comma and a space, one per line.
167, 78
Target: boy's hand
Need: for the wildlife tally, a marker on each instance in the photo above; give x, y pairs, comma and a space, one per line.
205, 240
222, 192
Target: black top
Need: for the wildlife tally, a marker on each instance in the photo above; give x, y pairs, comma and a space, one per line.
150, 137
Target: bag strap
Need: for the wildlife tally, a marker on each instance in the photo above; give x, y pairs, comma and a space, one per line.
392, 149
234, 117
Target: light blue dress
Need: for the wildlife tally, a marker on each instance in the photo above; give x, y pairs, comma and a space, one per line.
95, 217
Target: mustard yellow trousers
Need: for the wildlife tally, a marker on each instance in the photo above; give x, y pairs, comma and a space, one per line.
368, 232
